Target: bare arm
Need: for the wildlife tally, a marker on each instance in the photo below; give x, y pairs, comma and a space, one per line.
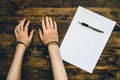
59, 71
15, 69
49, 33
21, 34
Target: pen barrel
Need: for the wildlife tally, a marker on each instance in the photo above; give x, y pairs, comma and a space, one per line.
96, 29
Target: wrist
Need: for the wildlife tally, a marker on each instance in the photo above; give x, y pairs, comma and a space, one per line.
21, 46
52, 43
52, 49
20, 50
52, 46
19, 42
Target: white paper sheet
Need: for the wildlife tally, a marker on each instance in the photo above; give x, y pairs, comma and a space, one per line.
83, 46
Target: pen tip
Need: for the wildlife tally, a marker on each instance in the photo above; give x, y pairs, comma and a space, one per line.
79, 22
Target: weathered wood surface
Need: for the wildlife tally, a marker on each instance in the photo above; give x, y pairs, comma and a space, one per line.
36, 65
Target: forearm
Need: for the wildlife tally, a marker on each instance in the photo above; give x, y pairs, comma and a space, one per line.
15, 69
59, 71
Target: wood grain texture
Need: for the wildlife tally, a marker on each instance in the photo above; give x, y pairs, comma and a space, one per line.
36, 64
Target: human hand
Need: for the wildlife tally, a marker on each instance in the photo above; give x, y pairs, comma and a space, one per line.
21, 33
49, 31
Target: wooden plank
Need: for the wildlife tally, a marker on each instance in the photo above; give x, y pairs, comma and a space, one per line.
63, 3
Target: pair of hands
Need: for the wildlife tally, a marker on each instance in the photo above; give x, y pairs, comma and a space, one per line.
47, 34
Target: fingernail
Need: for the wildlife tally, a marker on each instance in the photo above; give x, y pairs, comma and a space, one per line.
46, 16
23, 19
33, 30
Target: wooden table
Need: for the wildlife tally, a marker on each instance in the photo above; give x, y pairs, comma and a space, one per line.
36, 64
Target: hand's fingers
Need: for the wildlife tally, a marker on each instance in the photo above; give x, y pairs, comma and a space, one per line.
18, 27
43, 25
31, 35
16, 31
55, 25
22, 24
47, 23
26, 26
51, 23
41, 35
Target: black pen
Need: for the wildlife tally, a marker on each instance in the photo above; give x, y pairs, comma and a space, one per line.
86, 25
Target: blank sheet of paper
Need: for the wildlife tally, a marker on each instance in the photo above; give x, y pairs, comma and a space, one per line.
83, 46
